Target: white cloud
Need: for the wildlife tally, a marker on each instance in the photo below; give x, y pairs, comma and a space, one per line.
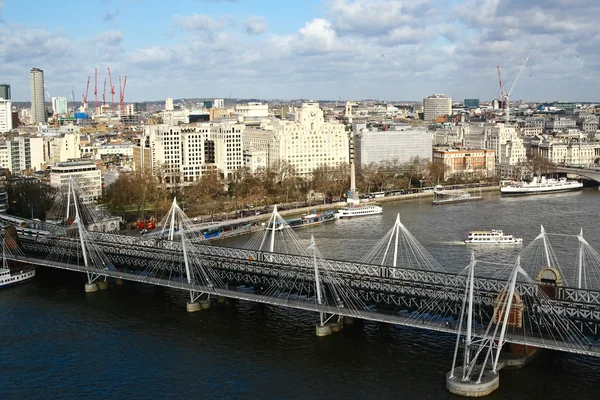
197, 22
256, 25
358, 49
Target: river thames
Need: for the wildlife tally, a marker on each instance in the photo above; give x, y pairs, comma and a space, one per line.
138, 341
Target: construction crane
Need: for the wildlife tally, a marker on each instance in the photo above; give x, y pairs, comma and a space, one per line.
95, 88
104, 95
504, 95
85, 95
122, 94
112, 92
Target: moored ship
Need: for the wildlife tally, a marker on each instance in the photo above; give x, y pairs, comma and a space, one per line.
541, 185
9, 278
358, 211
494, 236
311, 219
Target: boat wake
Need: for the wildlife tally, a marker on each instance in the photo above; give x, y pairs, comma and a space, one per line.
453, 243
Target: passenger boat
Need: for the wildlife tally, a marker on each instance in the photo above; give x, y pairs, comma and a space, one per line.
541, 185
491, 237
358, 211
8, 278
453, 196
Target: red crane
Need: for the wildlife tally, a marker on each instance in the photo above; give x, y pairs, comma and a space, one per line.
112, 92
122, 94
96, 88
85, 95
104, 94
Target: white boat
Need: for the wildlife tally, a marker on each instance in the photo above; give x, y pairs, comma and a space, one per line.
494, 236
541, 185
358, 211
8, 278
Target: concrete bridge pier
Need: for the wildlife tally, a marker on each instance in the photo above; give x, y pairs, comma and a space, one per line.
192, 306
91, 287
490, 381
221, 299
204, 304
336, 326
323, 330
119, 281
102, 285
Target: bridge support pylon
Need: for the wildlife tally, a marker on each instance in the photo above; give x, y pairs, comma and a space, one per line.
323, 330
487, 383
102, 285
91, 287
193, 306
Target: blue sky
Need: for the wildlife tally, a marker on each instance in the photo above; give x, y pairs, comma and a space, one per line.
317, 49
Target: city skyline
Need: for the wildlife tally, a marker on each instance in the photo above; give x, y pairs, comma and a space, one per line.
338, 49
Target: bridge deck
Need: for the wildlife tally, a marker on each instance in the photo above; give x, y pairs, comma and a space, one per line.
366, 315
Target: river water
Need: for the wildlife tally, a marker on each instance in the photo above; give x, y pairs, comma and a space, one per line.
137, 341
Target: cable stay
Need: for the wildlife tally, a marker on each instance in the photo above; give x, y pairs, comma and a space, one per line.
277, 237
80, 248
318, 285
522, 313
539, 259
71, 195
186, 267
398, 248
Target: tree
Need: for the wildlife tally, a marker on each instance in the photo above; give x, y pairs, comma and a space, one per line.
30, 199
540, 164
435, 172
330, 180
133, 190
416, 168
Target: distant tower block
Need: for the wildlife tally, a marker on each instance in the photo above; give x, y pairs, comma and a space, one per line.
169, 104
348, 111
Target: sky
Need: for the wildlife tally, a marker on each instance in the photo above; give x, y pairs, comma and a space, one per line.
389, 50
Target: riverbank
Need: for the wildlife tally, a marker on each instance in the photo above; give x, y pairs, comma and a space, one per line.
247, 225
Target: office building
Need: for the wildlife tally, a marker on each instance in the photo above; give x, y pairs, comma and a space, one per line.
6, 118
471, 103
182, 154
470, 163
435, 106
85, 173
27, 153
4, 91
252, 110
36, 84
218, 103
59, 105
401, 145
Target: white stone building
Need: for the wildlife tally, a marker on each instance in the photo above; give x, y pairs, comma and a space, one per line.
62, 148
252, 110
306, 143
571, 152
255, 160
